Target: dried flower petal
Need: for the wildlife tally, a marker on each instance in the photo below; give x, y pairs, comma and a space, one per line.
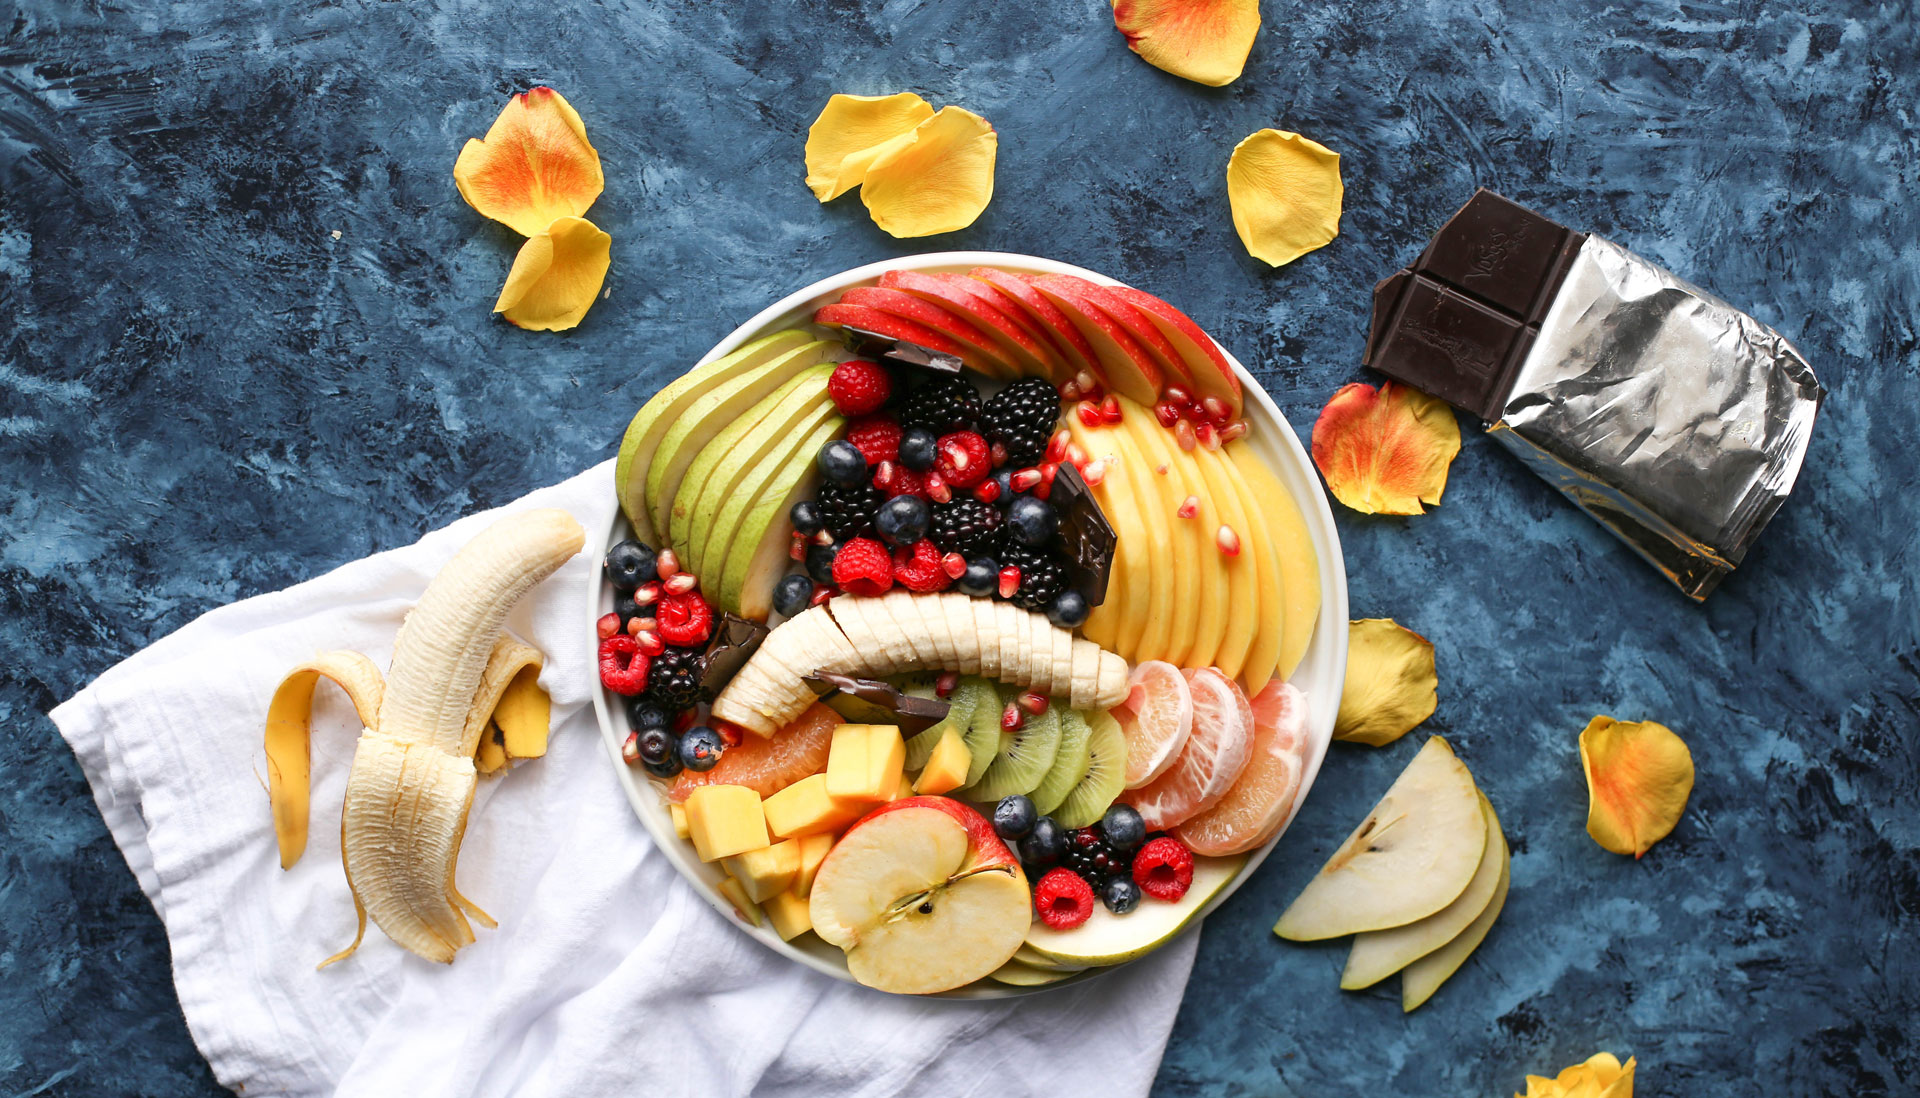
1602, 1076
854, 130
535, 164
938, 182
1638, 777
1285, 193
1391, 686
556, 276
1385, 451
1206, 41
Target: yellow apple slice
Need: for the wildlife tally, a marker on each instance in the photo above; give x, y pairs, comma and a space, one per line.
1419, 980
1150, 613
1299, 564
1378, 954
1238, 569
1115, 495
1198, 612
1257, 545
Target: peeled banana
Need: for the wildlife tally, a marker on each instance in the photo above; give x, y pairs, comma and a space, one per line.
455, 679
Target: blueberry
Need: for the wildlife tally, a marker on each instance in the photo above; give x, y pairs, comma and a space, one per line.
805, 517
1069, 610
917, 448
1004, 478
903, 520
700, 748
1031, 520
666, 768
1044, 844
628, 565
624, 606
1013, 817
643, 714
1120, 895
790, 595
820, 562
981, 577
842, 463
1123, 827
657, 745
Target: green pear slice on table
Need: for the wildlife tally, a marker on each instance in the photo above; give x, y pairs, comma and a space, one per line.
717, 469
1109, 939
757, 552
1378, 954
1413, 855
1419, 980
651, 422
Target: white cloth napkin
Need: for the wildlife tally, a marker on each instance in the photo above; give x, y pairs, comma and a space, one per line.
608, 975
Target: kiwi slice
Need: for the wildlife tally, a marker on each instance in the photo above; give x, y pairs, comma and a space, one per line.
1106, 774
960, 706
1069, 764
983, 729
1025, 756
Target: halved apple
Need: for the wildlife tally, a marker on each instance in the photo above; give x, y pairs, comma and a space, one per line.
1378, 954
1121, 363
922, 896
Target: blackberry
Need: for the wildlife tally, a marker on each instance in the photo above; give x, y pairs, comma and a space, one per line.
848, 512
1021, 418
673, 679
966, 526
943, 403
1041, 577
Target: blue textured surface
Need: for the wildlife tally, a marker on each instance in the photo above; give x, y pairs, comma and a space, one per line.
205, 393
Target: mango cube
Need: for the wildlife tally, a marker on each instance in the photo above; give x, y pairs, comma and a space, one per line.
946, 768
813, 851
736, 894
724, 820
791, 915
806, 808
767, 871
679, 813
904, 789
865, 761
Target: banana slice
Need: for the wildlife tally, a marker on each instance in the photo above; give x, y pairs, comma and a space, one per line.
986, 629
1040, 637
1063, 663
847, 613
913, 648
933, 618
1015, 647
1111, 683
821, 635
1085, 681
958, 610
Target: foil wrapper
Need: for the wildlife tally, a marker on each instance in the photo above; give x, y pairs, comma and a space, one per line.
1676, 420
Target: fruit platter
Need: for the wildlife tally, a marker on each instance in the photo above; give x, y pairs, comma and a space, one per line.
971, 624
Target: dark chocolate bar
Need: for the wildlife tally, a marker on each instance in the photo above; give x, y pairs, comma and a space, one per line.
1084, 536
734, 638
869, 701
888, 349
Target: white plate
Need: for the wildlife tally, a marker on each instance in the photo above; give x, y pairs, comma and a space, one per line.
1320, 674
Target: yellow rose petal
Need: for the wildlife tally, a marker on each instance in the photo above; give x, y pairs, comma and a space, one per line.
535, 164
1387, 450
939, 181
1206, 41
556, 276
1391, 686
1638, 777
1285, 192
1602, 1076
853, 131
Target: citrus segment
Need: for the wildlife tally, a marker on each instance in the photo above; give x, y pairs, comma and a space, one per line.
1157, 718
769, 765
1216, 752
1261, 800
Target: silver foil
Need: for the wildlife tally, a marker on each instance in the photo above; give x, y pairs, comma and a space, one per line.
1676, 420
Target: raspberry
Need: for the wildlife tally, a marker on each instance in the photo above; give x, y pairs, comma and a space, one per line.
858, 387
685, 619
876, 437
900, 481
1163, 869
863, 567
920, 570
962, 460
1063, 899
623, 667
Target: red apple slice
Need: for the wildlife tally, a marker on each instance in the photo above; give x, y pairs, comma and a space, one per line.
1043, 313
984, 354
1205, 365
1125, 366
1173, 369
994, 297
1014, 343
886, 324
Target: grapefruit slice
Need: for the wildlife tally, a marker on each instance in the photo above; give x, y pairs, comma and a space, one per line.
1217, 751
1157, 718
1261, 800
769, 765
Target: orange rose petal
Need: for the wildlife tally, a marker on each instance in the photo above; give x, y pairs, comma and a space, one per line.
1285, 194
1206, 41
1639, 775
852, 132
939, 181
535, 164
1385, 451
556, 276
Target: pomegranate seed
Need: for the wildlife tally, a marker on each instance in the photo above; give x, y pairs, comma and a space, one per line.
1011, 718
729, 732
607, 626
682, 582
1069, 392
987, 492
1075, 456
1095, 471
1057, 445
638, 624
1085, 380
630, 750
883, 476
1217, 411
1024, 479
1033, 703
958, 457
954, 565
1009, 581
821, 593
1208, 437
937, 488
1167, 414
1236, 429
1175, 395
1228, 541
1047, 472
1183, 434
1095, 394
1161, 469
945, 684
1089, 413
650, 643
648, 594
1189, 507
685, 721
823, 537
798, 550
667, 563
998, 453
1110, 409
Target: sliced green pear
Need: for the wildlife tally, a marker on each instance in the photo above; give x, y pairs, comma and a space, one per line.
1026, 956
1411, 856
711, 411
1070, 763
727, 515
717, 470
1419, 980
1016, 974
1106, 774
651, 422
1109, 939
1025, 756
757, 554
983, 733
1378, 954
